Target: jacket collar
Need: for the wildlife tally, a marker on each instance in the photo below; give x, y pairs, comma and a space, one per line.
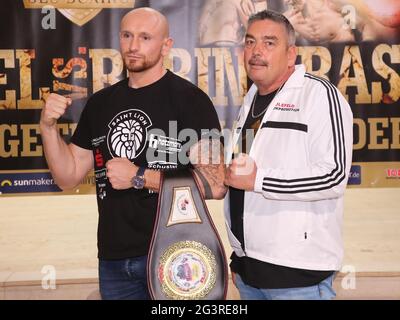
295, 80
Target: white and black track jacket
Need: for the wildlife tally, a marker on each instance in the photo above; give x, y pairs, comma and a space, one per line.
303, 152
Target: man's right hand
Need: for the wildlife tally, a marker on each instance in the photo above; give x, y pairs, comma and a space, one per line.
53, 109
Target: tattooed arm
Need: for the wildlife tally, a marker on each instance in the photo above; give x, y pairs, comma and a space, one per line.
207, 157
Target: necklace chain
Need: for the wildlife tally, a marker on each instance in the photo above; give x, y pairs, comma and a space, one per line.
265, 109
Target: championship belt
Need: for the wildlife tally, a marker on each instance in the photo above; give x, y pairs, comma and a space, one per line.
186, 258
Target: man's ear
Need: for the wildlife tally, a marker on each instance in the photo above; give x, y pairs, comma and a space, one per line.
167, 45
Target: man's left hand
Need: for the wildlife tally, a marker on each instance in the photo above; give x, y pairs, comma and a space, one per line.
120, 172
241, 173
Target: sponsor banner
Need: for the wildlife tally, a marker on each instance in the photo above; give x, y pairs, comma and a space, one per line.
71, 47
79, 4
78, 12
27, 182
38, 182
375, 174
355, 175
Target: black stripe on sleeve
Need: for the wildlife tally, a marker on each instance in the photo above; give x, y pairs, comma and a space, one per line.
337, 174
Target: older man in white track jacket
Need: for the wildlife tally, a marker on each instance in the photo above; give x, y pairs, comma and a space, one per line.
293, 176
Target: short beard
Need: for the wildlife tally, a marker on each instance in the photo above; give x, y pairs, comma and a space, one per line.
140, 68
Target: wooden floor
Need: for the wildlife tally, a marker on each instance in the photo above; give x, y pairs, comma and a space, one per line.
366, 286
60, 232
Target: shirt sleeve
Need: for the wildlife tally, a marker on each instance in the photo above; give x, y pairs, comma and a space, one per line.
197, 113
82, 136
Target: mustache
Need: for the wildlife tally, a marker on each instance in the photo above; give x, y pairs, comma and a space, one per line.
133, 53
258, 61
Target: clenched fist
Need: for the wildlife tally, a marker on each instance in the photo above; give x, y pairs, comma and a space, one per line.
54, 108
120, 172
241, 173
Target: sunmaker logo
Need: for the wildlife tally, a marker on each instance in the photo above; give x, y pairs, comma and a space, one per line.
79, 11
27, 182
6, 183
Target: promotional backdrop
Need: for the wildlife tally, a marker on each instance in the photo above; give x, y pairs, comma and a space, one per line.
71, 47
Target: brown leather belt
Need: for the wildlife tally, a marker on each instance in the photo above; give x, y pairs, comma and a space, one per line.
186, 257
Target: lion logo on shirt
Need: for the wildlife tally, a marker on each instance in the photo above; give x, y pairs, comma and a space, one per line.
128, 133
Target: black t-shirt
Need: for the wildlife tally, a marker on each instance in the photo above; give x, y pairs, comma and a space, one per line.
144, 125
249, 130
254, 272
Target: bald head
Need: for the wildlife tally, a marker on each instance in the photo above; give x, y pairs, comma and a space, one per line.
150, 18
145, 42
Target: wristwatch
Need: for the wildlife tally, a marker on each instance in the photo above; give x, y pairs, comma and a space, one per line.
138, 180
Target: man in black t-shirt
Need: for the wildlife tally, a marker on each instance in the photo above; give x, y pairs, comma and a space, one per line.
128, 133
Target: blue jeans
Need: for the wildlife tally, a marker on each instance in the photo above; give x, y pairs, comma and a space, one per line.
320, 291
123, 279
